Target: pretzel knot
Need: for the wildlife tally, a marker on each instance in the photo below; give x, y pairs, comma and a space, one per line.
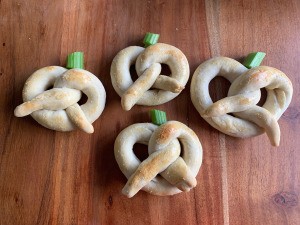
150, 88
177, 173
57, 108
244, 93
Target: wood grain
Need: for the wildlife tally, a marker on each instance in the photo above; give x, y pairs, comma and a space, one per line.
49, 177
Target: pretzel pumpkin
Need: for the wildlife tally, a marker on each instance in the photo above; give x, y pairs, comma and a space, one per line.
57, 108
177, 173
150, 88
244, 93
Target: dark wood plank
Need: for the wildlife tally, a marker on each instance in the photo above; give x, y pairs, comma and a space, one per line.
49, 177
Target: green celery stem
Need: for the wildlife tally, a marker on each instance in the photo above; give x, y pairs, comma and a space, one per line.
75, 60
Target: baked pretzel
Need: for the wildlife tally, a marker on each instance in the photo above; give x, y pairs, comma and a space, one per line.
177, 173
57, 108
148, 67
244, 93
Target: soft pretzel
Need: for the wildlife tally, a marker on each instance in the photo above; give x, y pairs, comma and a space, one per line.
148, 67
177, 173
244, 93
57, 108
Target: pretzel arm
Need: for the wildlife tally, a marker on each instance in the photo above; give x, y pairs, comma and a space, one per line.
54, 99
237, 103
78, 117
149, 168
168, 84
142, 84
264, 119
180, 175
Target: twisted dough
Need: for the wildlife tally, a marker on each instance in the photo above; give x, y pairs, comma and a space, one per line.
243, 95
177, 173
57, 108
147, 62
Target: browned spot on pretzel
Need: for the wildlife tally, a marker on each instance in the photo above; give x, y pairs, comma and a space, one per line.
50, 68
165, 133
244, 101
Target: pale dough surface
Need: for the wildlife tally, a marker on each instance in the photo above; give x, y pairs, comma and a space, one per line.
151, 88
57, 108
177, 173
244, 93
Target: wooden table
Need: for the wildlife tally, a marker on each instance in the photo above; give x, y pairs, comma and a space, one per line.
49, 177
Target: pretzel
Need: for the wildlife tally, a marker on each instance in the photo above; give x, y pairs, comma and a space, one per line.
177, 173
244, 93
148, 67
57, 108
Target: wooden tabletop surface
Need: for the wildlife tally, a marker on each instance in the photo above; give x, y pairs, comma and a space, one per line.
49, 177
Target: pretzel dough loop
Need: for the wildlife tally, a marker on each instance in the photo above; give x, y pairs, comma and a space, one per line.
243, 95
57, 108
177, 173
148, 67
